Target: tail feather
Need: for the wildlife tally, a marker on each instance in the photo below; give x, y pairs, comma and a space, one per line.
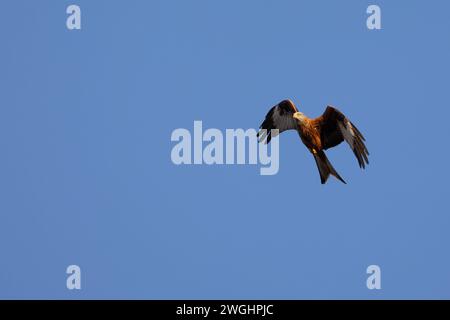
325, 167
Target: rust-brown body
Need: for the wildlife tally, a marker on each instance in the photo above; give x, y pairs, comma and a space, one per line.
310, 135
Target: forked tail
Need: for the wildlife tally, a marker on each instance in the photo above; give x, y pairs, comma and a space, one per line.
325, 167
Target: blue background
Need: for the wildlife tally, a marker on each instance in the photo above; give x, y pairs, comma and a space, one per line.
86, 176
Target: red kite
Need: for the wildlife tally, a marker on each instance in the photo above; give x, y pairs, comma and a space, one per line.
318, 134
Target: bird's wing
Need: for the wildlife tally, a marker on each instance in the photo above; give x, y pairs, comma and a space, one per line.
280, 118
335, 127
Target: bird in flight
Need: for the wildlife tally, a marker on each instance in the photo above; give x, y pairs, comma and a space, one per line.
318, 134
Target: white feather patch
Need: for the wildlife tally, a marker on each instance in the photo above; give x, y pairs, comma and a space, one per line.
348, 133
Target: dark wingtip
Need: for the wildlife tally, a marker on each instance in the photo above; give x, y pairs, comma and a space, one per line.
340, 178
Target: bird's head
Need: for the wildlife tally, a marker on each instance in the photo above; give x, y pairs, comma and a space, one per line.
298, 116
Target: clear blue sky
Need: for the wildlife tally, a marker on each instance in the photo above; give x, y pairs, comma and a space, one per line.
85, 170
